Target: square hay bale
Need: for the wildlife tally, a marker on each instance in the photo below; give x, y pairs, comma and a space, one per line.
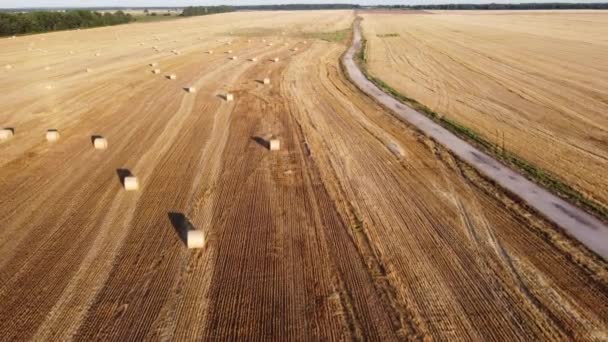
195, 239
100, 143
294, 49
210, 52
131, 183
234, 58
275, 144
191, 89
49, 87
253, 59
6, 133
52, 135
229, 97
266, 80
172, 77
153, 64
156, 71
276, 59
89, 70
229, 51
269, 44
229, 43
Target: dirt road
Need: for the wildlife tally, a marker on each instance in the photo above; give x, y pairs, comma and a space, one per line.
357, 228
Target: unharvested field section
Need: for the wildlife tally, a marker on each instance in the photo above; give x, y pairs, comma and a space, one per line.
358, 228
533, 82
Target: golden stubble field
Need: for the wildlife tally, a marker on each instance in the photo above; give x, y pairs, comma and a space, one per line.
357, 228
535, 81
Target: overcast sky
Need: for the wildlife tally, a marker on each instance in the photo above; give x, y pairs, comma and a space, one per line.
179, 3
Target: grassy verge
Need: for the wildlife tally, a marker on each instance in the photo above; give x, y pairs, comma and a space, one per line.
531, 171
335, 36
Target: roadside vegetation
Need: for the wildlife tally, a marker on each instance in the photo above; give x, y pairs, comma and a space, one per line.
531, 171
47, 21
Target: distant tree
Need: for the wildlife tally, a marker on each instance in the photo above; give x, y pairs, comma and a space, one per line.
45, 21
204, 10
522, 6
196, 11
296, 7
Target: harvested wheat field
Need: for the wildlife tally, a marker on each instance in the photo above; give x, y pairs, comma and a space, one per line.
535, 82
357, 227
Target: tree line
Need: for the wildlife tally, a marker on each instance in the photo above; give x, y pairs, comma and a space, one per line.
523, 6
205, 10
298, 7
47, 21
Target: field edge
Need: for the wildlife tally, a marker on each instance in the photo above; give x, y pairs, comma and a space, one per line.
540, 176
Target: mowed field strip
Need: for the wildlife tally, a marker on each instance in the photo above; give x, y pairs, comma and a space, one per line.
535, 82
358, 227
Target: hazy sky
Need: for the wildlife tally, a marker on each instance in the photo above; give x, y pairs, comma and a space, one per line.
179, 3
